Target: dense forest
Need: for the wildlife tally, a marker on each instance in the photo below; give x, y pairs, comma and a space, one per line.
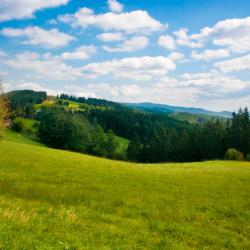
90, 125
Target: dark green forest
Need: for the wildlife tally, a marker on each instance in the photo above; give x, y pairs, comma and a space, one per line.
90, 125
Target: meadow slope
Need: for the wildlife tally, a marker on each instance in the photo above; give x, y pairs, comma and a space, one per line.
53, 199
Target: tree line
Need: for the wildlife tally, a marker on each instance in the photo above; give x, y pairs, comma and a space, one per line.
22, 102
153, 137
206, 141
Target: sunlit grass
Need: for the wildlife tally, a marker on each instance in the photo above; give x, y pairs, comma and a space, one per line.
52, 199
11, 136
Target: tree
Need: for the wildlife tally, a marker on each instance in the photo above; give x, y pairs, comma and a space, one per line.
134, 151
79, 134
60, 129
53, 129
3, 110
239, 131
233, 154
98, 141
111, 144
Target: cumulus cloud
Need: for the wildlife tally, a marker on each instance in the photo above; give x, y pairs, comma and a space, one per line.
212, 83
115, 6
37, 36
80, 53
110, 37
50, 67
210, 54
128, 22
232, 34
130, 45
183, 39
34, 65
2, 53
21, 85
136, 68
176, 56
235, 64
19, 9
167, 42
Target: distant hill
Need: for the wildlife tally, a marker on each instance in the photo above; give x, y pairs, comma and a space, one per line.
163, 108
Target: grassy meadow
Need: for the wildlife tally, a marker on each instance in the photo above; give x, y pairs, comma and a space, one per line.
53, 199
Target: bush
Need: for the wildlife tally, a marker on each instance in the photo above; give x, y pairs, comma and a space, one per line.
18, 126
248, 157
233, 154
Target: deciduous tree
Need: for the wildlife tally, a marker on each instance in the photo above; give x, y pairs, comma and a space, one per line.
3, 110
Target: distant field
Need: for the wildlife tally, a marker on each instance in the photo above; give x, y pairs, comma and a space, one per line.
71, 105
53, 199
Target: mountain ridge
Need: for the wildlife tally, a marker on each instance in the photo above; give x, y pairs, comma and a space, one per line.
164, 108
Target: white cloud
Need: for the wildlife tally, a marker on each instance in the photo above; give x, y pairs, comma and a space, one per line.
130, 45
80, 53
110, 37
2, 53
3, 74
115, 6
167, 42
19, 9
236, 64
32, 65
212, 83
36, 36
137, 68
183, 39
21, 85
232, 34
210, 54
129, 22
176, 56
50, 67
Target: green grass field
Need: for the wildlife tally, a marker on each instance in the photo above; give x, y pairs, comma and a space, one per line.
76, 106
53, 199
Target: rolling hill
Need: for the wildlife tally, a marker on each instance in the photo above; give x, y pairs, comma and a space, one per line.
53, 199
153, 107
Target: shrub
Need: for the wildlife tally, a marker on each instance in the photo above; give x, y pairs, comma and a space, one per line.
18, 126
233, 154
248, 157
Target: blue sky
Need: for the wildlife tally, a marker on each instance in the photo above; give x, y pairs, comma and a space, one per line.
179, 52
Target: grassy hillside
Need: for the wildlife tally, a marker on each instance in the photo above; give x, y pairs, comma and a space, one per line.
67, 104
52, 199
11, 136
28, 123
